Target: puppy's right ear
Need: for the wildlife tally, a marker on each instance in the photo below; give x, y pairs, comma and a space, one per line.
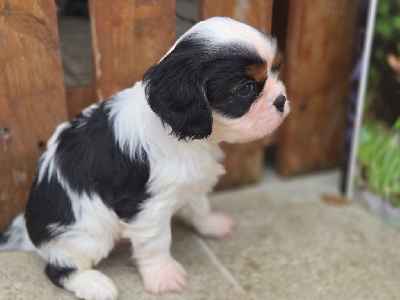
175, 91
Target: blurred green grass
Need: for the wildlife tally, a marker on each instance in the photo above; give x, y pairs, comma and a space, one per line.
379, 161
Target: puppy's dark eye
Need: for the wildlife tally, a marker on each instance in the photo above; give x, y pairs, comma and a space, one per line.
247, 89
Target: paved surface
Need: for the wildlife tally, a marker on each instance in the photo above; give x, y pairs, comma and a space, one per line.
288, 244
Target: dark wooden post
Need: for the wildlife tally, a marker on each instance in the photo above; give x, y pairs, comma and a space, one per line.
127, 38
32, 96
319, 55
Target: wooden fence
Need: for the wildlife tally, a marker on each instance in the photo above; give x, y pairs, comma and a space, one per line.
128, 37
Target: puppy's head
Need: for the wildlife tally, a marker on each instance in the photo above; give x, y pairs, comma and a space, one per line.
220, 79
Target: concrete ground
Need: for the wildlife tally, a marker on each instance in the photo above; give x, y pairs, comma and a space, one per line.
288, 244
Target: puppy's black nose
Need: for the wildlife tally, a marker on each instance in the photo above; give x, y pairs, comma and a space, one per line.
279, 103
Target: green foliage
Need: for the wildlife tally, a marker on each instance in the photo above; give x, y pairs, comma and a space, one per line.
386, 40
379, 161
396, 126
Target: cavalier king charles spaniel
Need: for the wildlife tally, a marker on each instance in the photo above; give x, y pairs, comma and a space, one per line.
123, 168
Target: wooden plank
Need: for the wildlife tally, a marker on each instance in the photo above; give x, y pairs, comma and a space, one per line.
127, 38
78, 98
319, 55
32, 96
243, 163
256, 13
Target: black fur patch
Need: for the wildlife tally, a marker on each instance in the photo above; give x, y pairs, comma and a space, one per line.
195, 77
48, 203
92, 162
175, 92
227, 73
56, 273
3, 238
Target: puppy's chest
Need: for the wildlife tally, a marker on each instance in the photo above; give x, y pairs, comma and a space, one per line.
189, 173
195, 180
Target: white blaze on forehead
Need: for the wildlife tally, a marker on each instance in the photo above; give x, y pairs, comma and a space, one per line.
220, 30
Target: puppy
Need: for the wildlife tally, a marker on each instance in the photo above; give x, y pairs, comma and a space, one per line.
123, 168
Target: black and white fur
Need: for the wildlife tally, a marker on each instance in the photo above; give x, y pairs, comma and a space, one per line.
122, 168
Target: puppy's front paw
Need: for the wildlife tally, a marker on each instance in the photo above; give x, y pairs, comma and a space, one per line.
167, 278
215, 225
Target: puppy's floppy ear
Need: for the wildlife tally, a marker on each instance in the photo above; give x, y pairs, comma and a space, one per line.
175, 90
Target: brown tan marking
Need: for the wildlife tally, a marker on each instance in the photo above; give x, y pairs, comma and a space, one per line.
258, 72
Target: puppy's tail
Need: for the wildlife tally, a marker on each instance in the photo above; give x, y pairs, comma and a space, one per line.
16, 237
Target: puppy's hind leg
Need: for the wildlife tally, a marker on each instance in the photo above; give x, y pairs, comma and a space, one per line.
198, 214
87, 284
91, 285
69, 266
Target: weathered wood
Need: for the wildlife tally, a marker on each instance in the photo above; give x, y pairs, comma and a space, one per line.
319, 54
127, 38
78, 98
243, 163
32, 96
256, 13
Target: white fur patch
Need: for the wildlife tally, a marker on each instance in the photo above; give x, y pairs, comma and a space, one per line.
17, 236
47, 159
219, 30
168, 277
91, 285
89, 239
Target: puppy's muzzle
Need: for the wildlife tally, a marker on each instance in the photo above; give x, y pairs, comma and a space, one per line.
279, 103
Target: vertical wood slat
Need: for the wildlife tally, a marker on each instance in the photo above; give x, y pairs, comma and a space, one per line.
256, 13
319, 54
78, 98
243, 163
32, 96
127, 38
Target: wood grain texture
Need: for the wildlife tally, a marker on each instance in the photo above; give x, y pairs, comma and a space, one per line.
319, 55
78, 98
127, 38
243, 163
32, 96
256, 13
